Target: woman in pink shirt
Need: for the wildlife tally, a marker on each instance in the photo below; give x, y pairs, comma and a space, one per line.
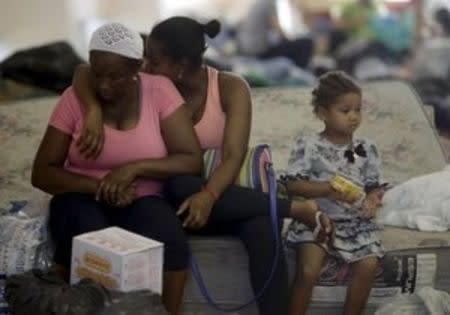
147, 138
219, 106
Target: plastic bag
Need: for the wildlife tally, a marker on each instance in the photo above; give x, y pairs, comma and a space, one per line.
37, 205
426, 301
420, 203
25, 244
40, 293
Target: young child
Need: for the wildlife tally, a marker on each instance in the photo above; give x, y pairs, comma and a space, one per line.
314, 162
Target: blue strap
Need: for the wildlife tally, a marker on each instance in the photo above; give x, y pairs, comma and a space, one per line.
274, 218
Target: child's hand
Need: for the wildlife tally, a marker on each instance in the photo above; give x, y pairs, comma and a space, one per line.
308, 212
373, 201
324, 232
91, 140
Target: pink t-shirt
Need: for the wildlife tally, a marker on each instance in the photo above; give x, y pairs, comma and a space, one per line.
159, 98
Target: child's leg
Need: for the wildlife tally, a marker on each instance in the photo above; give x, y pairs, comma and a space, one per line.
363, 276
310, 261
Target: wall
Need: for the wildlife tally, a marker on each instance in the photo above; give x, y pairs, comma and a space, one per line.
25, 23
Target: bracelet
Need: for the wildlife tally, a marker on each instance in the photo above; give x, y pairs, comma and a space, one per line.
318, 224
209, 191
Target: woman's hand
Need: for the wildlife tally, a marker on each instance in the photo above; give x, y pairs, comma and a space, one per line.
126, 197
199, 206
91, 140
116, 183
373, 201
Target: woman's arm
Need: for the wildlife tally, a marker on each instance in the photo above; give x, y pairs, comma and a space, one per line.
82, 85
235, 95
91, 140
184, 157
48, 172
184, 153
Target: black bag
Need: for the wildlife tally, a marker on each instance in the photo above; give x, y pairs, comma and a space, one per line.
50, 66
41, 293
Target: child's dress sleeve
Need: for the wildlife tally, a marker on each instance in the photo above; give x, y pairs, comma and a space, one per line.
299, 165
371, 172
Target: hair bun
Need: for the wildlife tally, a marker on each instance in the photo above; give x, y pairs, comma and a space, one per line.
315, 92
212, 28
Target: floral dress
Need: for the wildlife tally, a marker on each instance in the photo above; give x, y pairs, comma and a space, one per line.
317, 159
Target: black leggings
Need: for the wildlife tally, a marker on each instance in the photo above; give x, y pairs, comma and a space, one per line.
72, 214
245, 213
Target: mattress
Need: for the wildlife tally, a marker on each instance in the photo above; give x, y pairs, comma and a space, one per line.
429, 254
394, 119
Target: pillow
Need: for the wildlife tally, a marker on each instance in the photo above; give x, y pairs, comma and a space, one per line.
253, 173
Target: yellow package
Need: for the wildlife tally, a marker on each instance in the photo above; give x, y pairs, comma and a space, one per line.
342, 184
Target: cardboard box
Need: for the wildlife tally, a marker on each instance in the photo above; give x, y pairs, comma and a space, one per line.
118, 259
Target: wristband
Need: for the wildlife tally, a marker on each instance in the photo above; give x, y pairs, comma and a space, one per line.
318, 224
209, 191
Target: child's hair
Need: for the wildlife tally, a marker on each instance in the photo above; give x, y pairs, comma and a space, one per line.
332, 85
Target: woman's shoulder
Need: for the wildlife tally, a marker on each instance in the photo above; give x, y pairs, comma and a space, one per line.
152, 81
70, 100
67, 112
229, 81
160, 94
233, 90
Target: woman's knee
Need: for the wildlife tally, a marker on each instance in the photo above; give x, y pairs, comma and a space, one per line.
73, 204
154, 218
75, 213
180, 187
176, 254
259, 234
69, 201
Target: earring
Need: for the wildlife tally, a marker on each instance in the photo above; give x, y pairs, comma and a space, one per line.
180, 75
